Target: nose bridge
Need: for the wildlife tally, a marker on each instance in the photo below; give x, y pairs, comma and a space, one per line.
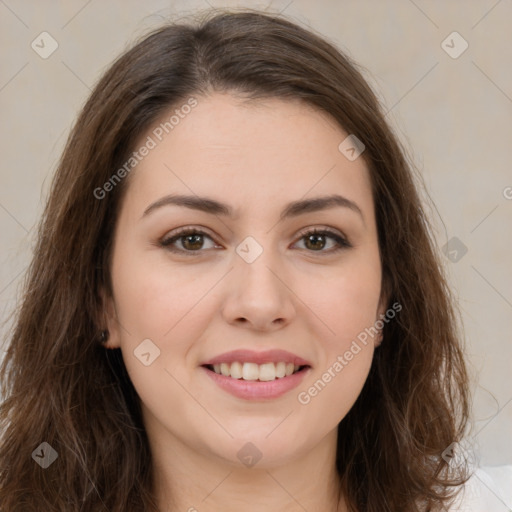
257, 293
257, 265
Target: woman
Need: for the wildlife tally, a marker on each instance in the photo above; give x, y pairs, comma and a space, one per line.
235, 299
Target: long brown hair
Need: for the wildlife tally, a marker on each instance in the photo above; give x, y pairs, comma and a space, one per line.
62, 387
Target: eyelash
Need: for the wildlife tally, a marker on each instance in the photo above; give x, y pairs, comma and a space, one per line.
166, 242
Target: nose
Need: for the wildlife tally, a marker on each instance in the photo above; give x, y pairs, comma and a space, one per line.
258, 296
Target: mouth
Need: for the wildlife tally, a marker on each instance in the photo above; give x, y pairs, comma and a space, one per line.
256, 382
266, 372
257, 375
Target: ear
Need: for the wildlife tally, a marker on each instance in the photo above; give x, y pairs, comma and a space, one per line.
108, 321
382, 307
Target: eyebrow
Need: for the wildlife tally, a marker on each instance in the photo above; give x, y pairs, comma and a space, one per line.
292, 209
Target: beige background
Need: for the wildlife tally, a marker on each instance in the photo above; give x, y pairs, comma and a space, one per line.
454, 116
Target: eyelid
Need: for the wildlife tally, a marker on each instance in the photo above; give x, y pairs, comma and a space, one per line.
321, 229
341, 240
175, 235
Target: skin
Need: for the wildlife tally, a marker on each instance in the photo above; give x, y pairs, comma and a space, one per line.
295, 296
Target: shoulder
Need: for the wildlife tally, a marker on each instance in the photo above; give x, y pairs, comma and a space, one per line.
488, 490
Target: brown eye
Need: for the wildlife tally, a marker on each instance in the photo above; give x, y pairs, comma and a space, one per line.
191, 240
316, 241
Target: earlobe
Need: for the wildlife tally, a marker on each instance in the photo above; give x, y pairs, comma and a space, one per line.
109, 325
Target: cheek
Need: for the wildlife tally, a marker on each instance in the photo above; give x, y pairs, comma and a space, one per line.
345, 299
347, 305
156, 304
155, 300
329, 397
354, 309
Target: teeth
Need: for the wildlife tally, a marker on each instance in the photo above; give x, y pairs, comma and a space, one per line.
267, 371
250, 371
253, 371
236, 370
224, 369
280, 370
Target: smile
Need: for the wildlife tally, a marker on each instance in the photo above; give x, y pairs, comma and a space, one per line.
251, 371
255, 388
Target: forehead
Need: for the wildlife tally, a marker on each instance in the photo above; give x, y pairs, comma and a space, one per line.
257, 153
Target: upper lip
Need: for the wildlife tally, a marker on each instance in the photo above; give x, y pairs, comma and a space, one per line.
250, 356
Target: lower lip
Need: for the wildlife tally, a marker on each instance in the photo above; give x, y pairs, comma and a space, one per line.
255, 389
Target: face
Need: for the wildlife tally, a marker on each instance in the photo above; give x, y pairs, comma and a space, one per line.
251, 275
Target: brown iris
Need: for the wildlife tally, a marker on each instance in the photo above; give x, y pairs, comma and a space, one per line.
315, 239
